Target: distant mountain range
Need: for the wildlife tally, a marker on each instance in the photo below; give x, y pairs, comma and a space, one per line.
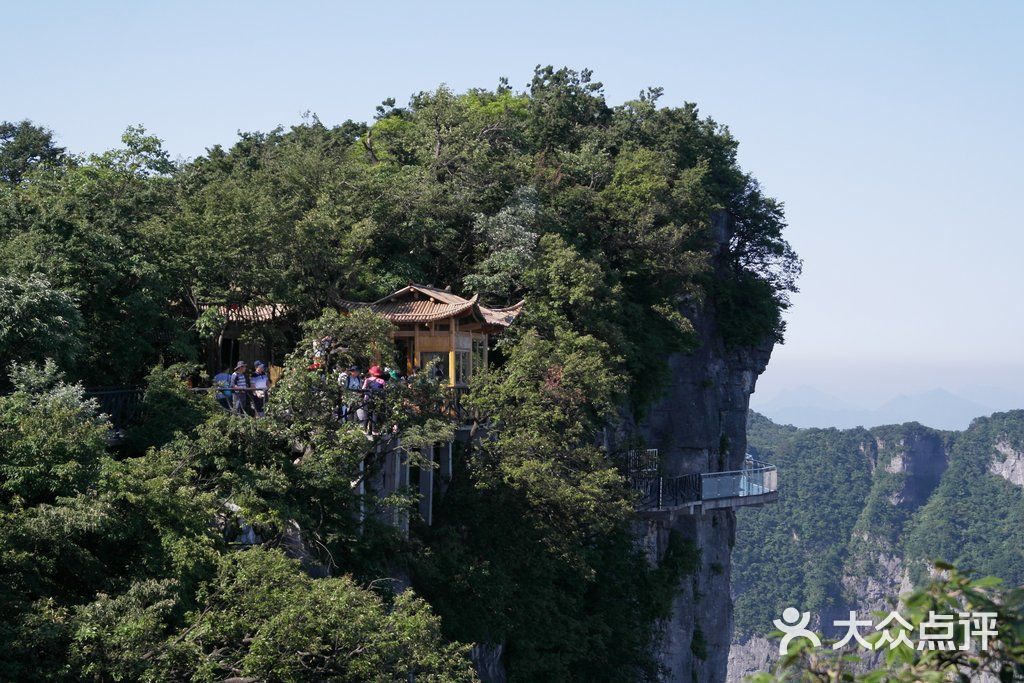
863, 512
808, 407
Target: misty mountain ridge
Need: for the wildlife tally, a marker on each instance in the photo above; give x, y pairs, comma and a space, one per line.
808, 407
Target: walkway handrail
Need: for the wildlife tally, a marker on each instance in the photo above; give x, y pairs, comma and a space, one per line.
756, 478
122, 404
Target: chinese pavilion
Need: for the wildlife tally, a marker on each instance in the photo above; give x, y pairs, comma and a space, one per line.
435, 325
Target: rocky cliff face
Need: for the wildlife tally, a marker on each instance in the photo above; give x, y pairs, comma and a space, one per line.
907, 464
1008, 463
699, 425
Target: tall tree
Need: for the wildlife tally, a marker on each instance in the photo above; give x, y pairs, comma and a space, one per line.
24, 146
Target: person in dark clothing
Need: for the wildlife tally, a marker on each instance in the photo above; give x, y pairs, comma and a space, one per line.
351, 381
373, 384
239, 380
261, 385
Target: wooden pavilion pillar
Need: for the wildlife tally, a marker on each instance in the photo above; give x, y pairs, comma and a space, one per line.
445, 460
452, 338
427, 485
403, 483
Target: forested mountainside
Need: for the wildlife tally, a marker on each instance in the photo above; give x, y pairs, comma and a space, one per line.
124, 563
862, 513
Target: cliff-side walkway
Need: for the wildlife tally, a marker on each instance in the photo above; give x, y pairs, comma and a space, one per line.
756, 483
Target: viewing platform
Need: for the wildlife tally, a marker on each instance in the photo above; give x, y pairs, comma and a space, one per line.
757, 483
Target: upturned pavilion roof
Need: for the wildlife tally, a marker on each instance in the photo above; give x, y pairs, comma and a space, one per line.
425, 303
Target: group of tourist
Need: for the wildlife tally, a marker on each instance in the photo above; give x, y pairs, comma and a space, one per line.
246, 393
242, 392
367, 386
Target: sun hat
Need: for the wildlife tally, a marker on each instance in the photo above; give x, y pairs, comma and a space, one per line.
375, 371
240, 364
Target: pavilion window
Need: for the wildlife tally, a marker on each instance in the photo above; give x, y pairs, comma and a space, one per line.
461, 367
439, 359
479, 355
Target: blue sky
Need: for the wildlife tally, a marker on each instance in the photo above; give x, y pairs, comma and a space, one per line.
893, 132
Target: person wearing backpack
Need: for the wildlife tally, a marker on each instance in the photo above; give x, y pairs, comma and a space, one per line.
239, 381
373, 384
222, 380
351, 381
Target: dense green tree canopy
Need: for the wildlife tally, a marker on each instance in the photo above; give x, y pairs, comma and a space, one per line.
130, 569
24, 146
37, 322
615, 223
453, 189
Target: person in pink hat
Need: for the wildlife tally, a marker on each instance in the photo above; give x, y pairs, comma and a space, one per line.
371, 385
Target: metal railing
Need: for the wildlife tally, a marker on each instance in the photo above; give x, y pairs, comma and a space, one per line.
122, 404
657, 492
643, 462
755, 479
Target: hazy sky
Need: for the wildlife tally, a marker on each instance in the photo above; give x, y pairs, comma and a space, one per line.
893, 133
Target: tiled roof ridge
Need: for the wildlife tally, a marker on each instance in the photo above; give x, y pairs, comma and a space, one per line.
437, 304
504, 309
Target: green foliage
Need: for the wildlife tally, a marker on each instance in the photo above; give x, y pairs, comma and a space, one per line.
474, 188
75, 524
261, 617
119, 570
454, 188
599, 216
51, 439
974, 518
746, 306
681, 558
793, 552
532, 546
699, 644
509, 241
85, 227
168, 407
37, 322
23, 147
210, 323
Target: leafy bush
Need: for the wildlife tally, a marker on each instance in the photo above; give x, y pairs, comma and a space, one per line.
37, 322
